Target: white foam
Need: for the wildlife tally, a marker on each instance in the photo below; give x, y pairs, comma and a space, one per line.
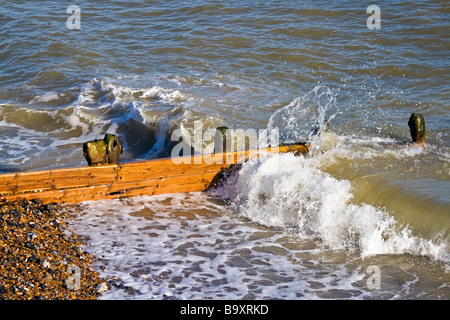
157, 92
103, 105
107, 91
191, 248
46, 97
74, 120
353, 148
21, 144
290, 192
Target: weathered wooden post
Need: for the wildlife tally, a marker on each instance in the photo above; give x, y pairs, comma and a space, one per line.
104, 151
113, 148
95, 152
416, 125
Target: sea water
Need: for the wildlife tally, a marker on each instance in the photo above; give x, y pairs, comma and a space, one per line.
360, 217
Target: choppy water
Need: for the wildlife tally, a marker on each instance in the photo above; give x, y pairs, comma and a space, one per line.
286, 227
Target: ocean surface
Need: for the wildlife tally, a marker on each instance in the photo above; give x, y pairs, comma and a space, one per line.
361, 217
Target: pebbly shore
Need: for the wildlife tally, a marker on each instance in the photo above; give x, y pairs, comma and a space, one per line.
40, 257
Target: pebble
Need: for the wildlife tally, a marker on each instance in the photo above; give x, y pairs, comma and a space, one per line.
38, 253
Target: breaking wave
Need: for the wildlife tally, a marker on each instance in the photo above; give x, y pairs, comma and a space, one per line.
289, 192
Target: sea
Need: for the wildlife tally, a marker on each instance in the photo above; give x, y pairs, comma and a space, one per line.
363, 216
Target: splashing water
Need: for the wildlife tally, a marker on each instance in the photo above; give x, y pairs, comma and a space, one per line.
291, 193
305, 117
297, 194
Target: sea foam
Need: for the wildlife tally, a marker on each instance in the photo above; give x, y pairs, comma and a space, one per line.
292, 193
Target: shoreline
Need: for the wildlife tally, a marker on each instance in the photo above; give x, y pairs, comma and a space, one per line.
40, 257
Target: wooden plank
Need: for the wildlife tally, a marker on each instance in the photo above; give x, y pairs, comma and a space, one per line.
162, 169
57, 179
192, 165
182, 184
73, 195
66, 178
7, 183
110, 181
178, 184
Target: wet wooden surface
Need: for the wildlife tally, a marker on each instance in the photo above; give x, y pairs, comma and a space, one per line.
158, 176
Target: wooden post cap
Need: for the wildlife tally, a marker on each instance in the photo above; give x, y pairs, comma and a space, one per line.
113, 148
95, 152
104, 151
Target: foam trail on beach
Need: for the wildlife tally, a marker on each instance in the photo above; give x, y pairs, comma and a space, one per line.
189, 247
